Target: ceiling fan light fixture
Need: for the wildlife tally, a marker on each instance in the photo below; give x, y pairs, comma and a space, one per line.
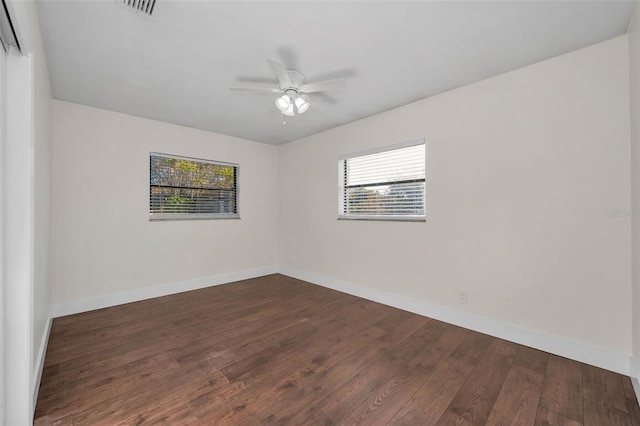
302, 103
292, 90
289, 111
283, 103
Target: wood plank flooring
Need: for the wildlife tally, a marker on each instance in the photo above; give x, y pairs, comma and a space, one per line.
275, 350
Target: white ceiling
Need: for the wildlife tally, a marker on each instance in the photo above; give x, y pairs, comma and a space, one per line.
178, 66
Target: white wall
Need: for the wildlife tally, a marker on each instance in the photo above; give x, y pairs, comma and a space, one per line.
520, 171
634, 74
103, 242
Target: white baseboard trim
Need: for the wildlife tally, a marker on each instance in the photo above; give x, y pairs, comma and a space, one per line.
599, 357
39, 364
635, 379
107, 300
636, 387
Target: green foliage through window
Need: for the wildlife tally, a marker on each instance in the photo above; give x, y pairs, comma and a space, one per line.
185, 186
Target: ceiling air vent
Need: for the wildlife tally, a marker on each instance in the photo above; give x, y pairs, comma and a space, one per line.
141, 6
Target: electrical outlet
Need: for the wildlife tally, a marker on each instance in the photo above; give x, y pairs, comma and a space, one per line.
462, 297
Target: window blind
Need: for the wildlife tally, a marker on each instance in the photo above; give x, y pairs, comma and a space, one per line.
388, 184
188, 188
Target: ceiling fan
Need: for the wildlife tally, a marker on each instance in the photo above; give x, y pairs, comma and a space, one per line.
295, 93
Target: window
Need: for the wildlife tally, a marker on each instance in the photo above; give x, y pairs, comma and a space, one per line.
189, 188
384, 184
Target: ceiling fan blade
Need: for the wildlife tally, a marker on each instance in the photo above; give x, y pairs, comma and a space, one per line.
281, 73
256, 89
323, 96
322, 86
262, 81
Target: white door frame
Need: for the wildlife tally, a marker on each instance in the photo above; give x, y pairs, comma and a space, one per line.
17, 223
3, 74
18, 252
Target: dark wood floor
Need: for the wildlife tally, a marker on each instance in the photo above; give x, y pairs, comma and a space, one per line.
275, 350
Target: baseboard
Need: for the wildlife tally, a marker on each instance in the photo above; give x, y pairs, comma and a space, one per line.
39, 365
620, 363
599, 357
107, 300
635, 380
